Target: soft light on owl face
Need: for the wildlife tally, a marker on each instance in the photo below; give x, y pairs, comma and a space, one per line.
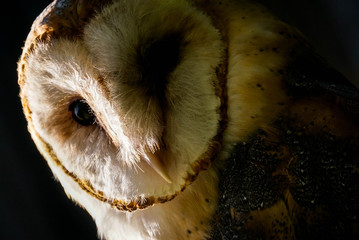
126, 102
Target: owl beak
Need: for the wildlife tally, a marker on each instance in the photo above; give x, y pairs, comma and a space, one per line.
154, 160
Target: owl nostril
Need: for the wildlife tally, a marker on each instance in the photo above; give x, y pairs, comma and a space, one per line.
157, 61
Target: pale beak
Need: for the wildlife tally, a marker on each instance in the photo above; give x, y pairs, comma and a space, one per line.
155, 161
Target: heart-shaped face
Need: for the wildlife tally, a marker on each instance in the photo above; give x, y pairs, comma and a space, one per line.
125, 97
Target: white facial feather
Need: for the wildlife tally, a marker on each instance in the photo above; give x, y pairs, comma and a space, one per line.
136, 26
108, 156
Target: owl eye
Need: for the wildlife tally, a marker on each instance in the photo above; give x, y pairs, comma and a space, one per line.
157, 61
82, 113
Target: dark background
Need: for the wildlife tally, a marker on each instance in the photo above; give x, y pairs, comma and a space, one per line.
32, 204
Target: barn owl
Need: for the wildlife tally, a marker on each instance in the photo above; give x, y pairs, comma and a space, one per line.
191, 119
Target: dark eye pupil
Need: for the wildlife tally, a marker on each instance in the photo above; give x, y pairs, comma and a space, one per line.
82, 113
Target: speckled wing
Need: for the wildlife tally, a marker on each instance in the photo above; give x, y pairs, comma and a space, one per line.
298, 176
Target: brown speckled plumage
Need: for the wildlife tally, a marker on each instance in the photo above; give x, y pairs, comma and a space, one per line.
297, 177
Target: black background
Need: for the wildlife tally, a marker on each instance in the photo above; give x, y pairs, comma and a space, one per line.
32, 204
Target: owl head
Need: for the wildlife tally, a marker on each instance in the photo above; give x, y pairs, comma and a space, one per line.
125, 98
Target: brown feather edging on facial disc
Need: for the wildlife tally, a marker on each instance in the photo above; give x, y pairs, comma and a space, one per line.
49, 26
